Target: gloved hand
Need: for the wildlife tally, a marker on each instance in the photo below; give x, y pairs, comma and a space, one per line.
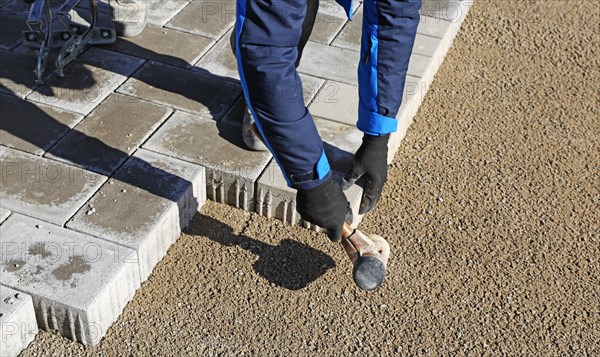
371, 161
326, 206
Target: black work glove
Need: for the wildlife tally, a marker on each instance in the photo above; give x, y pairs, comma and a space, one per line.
371, 161
326, 206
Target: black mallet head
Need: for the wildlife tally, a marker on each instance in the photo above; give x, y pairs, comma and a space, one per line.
368, 273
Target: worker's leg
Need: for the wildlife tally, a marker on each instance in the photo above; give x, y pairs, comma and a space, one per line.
308, 24
267, 37
251, 141
388, 34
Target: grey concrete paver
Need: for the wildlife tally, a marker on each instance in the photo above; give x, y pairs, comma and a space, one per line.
88, 81
336, 101
339, 101
206, 18
79, 284
104, 140
331, 8
181, 89
350, 35
219, 60
341, 141
449, 10
165, 45
330, 62
432, 26
144, 206
16, 73
18, 325
33, 127
4, 213
327, 25
43, 188
426, 45
161, 11
231, 169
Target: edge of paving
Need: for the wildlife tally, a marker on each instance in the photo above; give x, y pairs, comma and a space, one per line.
18, 326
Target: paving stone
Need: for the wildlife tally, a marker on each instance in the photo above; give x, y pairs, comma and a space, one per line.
310, 87
336, 101
79, 284
103, 140
18, 326
220, 60
231, 169
426, 45
16, 73
33, 127
350, 35
339, 101
196, 93
160, 11
207, 18
327, 25
412, 100
43, 188
331, 8
144, 206
330, 62
276, 200
450, 10
165, 45
4, 213
88, 81
432, 26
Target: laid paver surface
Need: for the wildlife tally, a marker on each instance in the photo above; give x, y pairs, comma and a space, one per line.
127, 145
103, 140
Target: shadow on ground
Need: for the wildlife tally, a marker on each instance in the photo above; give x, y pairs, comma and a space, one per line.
290, 264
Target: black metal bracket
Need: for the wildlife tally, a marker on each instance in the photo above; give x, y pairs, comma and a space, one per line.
72, 40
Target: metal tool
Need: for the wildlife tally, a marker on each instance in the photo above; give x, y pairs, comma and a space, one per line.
72, 39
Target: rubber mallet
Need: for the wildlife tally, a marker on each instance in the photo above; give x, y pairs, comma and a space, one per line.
369, 254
